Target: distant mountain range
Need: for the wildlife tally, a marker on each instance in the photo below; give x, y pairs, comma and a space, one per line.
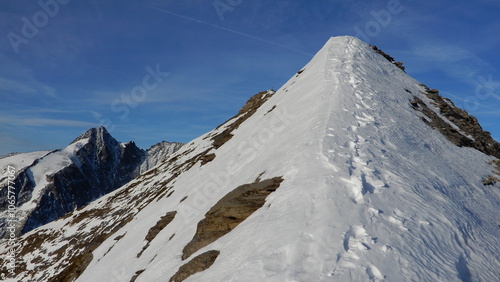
50, 184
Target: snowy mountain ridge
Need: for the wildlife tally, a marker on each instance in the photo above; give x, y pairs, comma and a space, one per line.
340, 175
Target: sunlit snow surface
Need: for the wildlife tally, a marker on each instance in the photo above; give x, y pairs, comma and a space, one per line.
17, 162
370, 192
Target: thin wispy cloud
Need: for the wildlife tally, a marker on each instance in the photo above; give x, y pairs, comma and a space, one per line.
229, 30
37, 110
492, 110
38, 122
456, 62
16, 87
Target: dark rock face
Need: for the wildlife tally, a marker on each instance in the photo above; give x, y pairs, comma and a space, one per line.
389, 58
99, 167
466, 131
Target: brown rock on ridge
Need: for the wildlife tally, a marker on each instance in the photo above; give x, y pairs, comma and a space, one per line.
230, 211
198, 264
153, 231
207, 158
467, 131
460, 128
495, 178
247, 111
389, 58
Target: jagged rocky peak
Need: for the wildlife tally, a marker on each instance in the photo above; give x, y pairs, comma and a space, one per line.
60, 181
99, 137
94, 134
109, 148
105, 148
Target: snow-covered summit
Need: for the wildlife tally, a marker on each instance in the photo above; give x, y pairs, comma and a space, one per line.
340, 175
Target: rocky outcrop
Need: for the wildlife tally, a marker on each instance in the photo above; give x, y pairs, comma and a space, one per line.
495, 177
207, 158
230, 211
247, 111
389, 58
457, 125
153, 231
197, 264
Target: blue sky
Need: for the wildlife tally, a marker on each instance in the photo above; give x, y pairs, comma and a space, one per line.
172, 70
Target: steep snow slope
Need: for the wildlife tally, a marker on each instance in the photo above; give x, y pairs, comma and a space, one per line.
19, 161
370, 192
